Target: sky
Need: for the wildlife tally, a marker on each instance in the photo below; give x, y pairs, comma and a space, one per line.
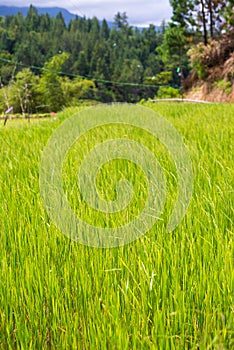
139, 12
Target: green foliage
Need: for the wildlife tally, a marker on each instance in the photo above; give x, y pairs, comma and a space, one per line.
131, 72
51, 83
4, 105
116, 54
197, 55
173, 50
76, 90
206, 17
27, 93
182, 12
228, 15
224, 85
173, 43
21, 93
24, 95
121, 20
105, 30
6, 69
163, 78
168, 92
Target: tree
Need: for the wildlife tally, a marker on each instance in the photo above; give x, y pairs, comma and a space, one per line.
51, 83
5, 93
208, 14
202, 15
24, 96
100, 63
121, 20
189, 14
32, 20
132, 72
81, 66
29, 51
21, 93
6, 67
59, 25
183, 12
227, 13
173, 52
77, 89
105, 30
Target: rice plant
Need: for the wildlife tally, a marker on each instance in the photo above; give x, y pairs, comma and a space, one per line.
162, 291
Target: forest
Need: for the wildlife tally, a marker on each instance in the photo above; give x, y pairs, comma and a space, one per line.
46, 65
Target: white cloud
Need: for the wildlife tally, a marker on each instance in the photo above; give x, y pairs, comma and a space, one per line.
138, 11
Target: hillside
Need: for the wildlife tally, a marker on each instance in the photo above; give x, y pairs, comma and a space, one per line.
212, 77
219, 90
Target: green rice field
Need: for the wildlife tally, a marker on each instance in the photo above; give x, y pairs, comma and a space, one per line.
166, 290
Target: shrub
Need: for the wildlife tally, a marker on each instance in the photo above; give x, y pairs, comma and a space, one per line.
197, 60
168, 92
162, 78
224, 85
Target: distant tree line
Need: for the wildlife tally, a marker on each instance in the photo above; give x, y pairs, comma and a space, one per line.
46, 65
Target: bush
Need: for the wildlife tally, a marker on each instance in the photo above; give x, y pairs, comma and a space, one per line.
198, 62
224, 85
160, 79
168, 92
204, 57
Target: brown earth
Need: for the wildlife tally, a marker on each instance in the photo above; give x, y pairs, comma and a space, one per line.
206, 92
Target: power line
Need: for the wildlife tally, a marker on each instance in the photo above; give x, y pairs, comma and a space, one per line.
103, 81
76, 8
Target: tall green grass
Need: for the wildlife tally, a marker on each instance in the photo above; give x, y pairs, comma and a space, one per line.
164, 291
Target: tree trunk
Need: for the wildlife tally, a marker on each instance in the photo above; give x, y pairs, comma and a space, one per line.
205, 36
210, 8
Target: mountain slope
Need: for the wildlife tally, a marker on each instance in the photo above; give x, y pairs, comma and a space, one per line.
52, 11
